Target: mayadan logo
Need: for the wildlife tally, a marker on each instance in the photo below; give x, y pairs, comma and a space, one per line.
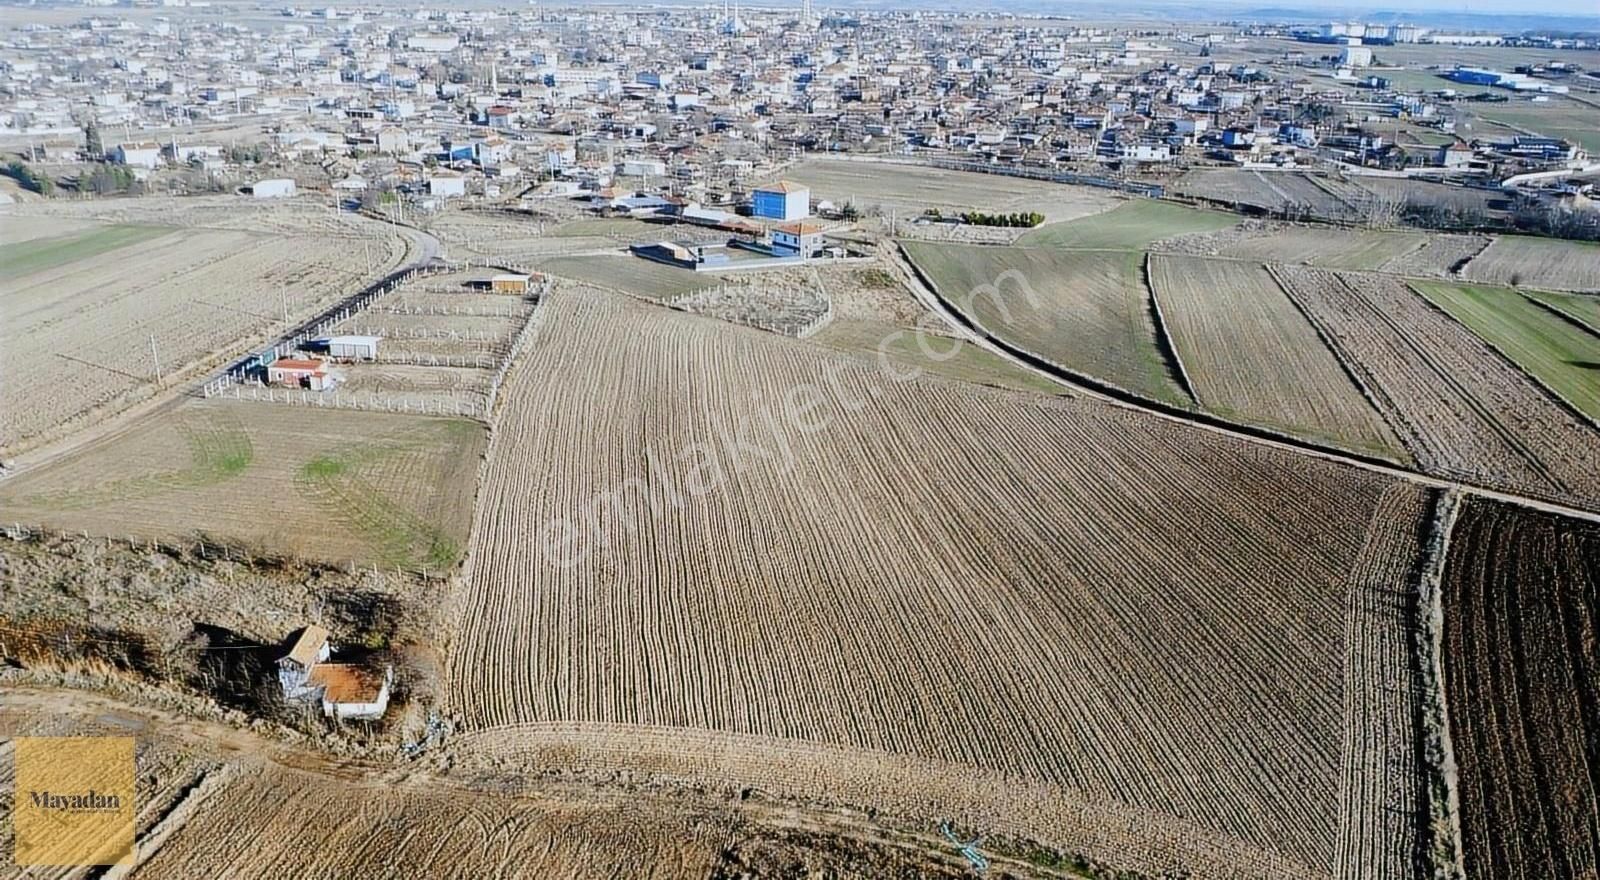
89, 802
74, 800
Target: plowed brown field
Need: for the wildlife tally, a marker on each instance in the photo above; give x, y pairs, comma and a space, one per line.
1142, 614
1522, 677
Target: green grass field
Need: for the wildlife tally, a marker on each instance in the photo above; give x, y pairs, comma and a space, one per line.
1132, 225
935, 355
1562, 356
28, 257
1585, 309
1087, 310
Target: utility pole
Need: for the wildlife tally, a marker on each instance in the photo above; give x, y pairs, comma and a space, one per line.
155, 356
283, 302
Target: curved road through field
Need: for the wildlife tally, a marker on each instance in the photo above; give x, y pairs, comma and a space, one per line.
966, 329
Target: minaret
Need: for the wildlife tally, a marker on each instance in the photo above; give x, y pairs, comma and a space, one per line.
494, 77
805, 14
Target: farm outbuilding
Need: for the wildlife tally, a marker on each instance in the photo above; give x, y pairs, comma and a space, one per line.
356, 348
275, 188
349, 691
300, 373
510, 283
345, 690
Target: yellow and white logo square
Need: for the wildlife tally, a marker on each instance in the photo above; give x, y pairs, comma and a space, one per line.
74, 800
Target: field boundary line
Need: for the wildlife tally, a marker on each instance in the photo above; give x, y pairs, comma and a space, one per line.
1444, 849
810, 770
1350, 366
1574, 320
174, 818
1164, 341
1555, 396
966, 330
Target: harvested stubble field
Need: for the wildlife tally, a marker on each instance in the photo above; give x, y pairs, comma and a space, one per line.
1522, 678
1274, 190
1252, 356
630, 274
875, 316
1551, 348
1440, 254
911, 189
1461, 407
318, 483
1133, 224
1090, 311
1056, 603
83, 328
1330, 248
1554, 264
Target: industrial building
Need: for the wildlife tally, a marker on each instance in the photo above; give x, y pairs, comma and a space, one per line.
781, 201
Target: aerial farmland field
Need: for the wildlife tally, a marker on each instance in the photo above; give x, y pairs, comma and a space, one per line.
319, 483
1332, 248
1085, 310
1523, 261
912, 189
1522, 674
995, 557
1461, 408
1563, 356
1253, 357
101, 315
1133, 224
1585, 310
22, 257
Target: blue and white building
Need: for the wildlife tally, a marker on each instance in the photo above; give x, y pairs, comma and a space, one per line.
781, 201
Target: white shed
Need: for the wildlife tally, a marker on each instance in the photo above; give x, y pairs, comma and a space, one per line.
361, 348
276, 188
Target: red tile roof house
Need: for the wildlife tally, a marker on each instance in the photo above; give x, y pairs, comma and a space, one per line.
345, 690
298, 373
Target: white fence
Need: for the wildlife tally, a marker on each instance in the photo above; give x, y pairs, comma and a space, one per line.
481, 360
429, 333
468, 404
508, 311
516, 348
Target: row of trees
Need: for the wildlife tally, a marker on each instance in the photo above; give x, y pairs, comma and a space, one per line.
1018, 220
107, 179
30, 180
